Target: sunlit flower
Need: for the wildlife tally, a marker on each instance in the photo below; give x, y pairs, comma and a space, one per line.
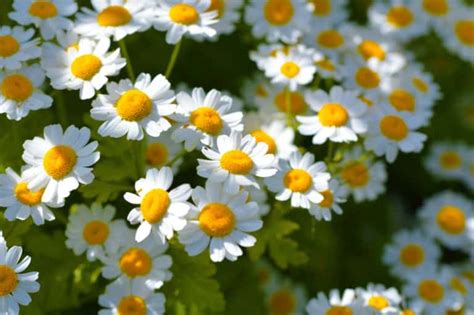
17, 46
379, 299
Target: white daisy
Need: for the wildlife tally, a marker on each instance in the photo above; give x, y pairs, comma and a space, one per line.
436, 12
59, 161
379, 299
17, 46
279, 99
160, 212
264, 52
422, 82
457, 34
162, 150
333, 196
326, 38
335, 303
283, 297
365, 76
132, 108
328, 11
220, 220
236, 161
227, 15
447, 160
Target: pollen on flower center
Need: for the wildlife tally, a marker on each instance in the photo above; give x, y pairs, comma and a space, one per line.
393, 127
465, 31
8, 280
17, 87
132, 305
207, 120
26, 196
236, 162
333, 114
436, 7
114, 15
184, 14
450, 160
378, 302
399, 16
328, 199
367, 78
321, 7
59, 161
290, 69
431, 290
43, 9
282, 302
86, 67
330, 39
412, 255
156, 154
451, 219
95, 232
339, 310
8, 46
355, 174
402, 100
155, 205
297, 103
135, 262
262, 136
133, 105
216, 219
298, 180
278, 12
371, 49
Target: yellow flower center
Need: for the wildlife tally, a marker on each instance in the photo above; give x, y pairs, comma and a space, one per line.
135, 262
156, 154
394, 128
262, 136
297, 102
95, 232
436, 7
457, 285
43, 9
132, 305
399, 16
155, 205
86, 67
217, 5
8, 280
451, 219
465, 31
133, 105
333, 114
412, 255
371, 49
17, 87
236, 162
402, 100
328, 199
8, 46
430, 290
378, 302
326, 64
207, 120
114, 15
184, 14
290, 69
278, 12
298, 180
330, 39
59, 161
355, 174
450, 160
282, 302
420, 85
216, 219
321, 7
26, 196
367, 78
339, 310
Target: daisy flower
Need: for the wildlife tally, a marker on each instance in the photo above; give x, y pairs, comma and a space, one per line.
330, 12
461, 285
326, 38
203, 117
236, 161
159, 211
436, 12
220, 221
444, 217
227, 15
47, 15
300, 179
279, 98
421, 82
183, 17
283, 297
15, 286
131, 297
379, 299
20, 92
335, 303
457, 34
85, 67
59, 161
93, 230
333, 196
339, 116
447, 160
409, 252
161, 151
264, 52
365, 76
132, 108
114, 18
17, 46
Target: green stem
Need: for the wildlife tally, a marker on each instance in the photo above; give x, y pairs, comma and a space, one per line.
174, 57
176, 158
60, 107
330, 154
123, 49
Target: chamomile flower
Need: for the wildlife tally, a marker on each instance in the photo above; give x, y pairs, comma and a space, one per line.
135, 108
17, 46
220, 221
159, 212
335, 303
379, 299
444, 217
300, 179
421, 82
203, 117
15, 286
446, 160
235, 161
457, 35
368, 76
47, 15
93, 230
185, 17
264, 52
333, 196
328, 39
460, 284
227, 15
283, 297
283, 101
85, 67
124, 296
162, 150
20, 92
339, 116
21, 202
410, 252
328, 11
436, 11
59, 161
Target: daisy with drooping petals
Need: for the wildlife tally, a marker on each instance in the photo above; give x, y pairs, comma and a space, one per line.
17, 46
339, 118
328, 11
132, 108
85, 67
335, 303
47, 15
220, 221
300, 179
236, 161
227, 15
20, 92
159, 212
162, 150
15, 286
59, 161
333, 196
204, 117
185, 17
379, 299
458, 35
446, 160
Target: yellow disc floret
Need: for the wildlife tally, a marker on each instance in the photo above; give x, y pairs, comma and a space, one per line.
297, 103
8, 280
278, 12
367, 78
59, 161
96, 232
262, 136
114, 15
402, 100
393, 127
133, 105
436, 7
330, 39
328, 199
355, 174
8, 46
135, 262
132, 305
156, 154
16, 87
431, 290
184, 14
412, 255
26, 196
464, 30
450, 160
371, 49
399, 16
236, 162
155, 205
378, 302
207, 120
43, 9
339, 310
451, 219
290, 69
282, 302
298, 180
333, 114
216, 219
86, 67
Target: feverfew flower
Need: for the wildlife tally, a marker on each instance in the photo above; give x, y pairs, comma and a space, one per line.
335, 303
17, 46
162, 150
446, 160
284, 297
457, 35
328, 11
333, 196
379, 299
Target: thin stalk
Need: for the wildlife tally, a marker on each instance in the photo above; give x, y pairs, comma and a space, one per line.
330, 153
174, 57
123, 49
